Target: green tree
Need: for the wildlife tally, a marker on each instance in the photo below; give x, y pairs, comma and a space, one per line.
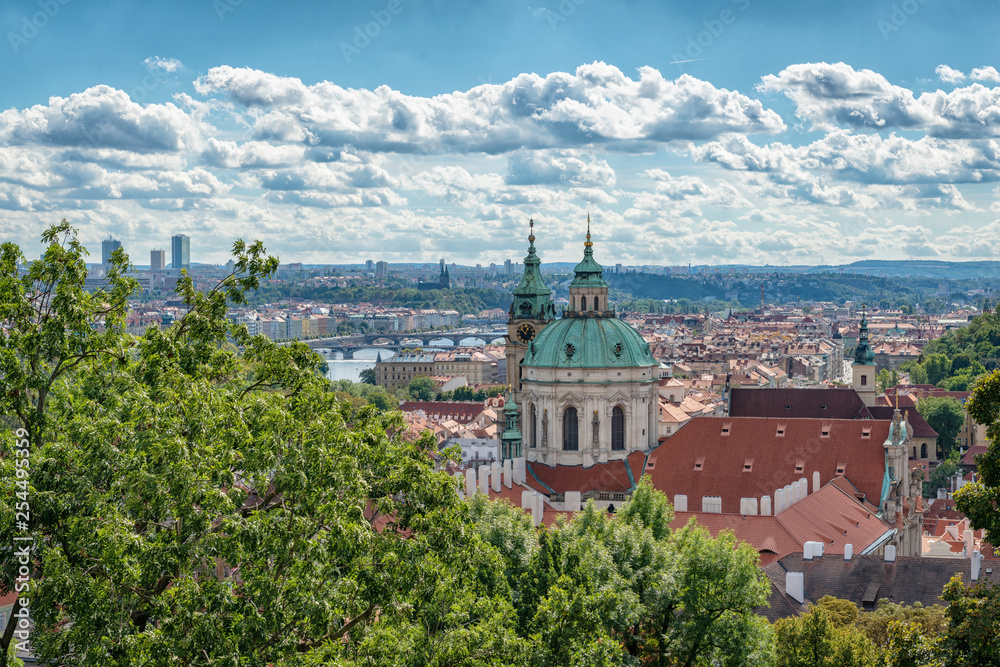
981, 500
887, 379
191, 506
946, 416
422, 388
937, 366
814, 640
941, 477
50, 327
973, 634
368, 376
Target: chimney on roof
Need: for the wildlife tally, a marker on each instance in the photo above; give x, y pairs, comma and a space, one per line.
815, 481
571, 502
890, 553
779, 501
848, 551
969, 540
977, 559
484, 479
470, 482
508, 473
795, 586
538, 508
765, 505
680, 503
495, 476
520, 470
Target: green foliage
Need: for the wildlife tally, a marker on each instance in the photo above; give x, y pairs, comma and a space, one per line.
946, 416
368, 376
973, 636
422, 388
981, 500
886, 379
813, 640
941, 477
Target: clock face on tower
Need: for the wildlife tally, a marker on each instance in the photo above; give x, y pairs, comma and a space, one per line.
525, 332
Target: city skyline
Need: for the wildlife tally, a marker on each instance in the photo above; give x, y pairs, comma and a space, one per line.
405, 131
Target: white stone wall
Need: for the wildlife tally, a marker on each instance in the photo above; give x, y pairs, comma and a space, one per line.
552, 390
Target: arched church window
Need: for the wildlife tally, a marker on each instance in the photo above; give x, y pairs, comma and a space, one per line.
923, 451
534, 427
583, 303
864, 380
617, 429
571, 432
597, 303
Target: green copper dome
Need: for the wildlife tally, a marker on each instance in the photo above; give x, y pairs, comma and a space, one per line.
589, 342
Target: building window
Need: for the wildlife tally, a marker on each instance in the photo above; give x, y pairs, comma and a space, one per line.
571, 435
923, 451
617, 429
864, 380
583, 303
534, 427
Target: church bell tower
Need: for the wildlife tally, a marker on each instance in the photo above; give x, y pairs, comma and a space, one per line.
864, 365
530, 312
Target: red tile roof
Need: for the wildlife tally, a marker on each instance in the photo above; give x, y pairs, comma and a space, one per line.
969, 458
463, 413
764, 533
835, 518
611, 476
778, 459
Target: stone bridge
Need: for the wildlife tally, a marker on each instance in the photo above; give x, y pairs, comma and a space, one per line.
396, 341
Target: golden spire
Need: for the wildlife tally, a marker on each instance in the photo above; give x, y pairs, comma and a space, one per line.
589, 243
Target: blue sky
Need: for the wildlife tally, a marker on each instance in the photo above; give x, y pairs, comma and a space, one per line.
797, 132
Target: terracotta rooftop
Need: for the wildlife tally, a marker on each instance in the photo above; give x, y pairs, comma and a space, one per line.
778, 451
835, 518
463, 413
611, 476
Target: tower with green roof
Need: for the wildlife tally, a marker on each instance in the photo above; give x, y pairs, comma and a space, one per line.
864, 365
510, 439
530, 312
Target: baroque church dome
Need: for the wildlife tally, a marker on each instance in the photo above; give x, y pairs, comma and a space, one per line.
589, 342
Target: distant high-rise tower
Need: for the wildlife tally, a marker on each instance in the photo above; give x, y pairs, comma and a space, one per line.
108, 246
180, 252
157, 260
381, 269
369, 266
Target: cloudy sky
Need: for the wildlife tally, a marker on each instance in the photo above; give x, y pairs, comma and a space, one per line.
723, 131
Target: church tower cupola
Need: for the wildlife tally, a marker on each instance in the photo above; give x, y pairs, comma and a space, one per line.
864, 365
531, 296
588, 293
510, 439
864, 355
